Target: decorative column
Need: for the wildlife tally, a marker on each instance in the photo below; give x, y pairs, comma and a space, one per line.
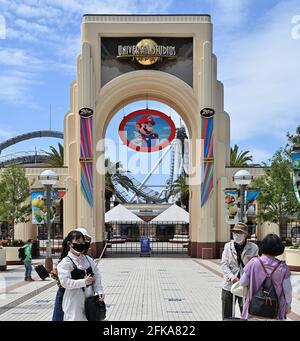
86, 154
207, 127
85, 126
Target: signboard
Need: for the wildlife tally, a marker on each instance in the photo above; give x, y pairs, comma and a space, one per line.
85, 112
146, 52
231, 205
147, 130
120, 55
39, 208
251, 203
207, 112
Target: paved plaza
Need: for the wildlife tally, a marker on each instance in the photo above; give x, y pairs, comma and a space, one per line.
137, 289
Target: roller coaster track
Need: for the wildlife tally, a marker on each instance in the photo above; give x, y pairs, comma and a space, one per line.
23, 158
29, 136
143, 191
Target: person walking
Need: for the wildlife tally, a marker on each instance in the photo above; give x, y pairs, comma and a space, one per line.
58, 314
80, 277
235, 256
279, 276
28, 260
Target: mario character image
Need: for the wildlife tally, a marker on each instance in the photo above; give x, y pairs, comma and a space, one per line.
144, 135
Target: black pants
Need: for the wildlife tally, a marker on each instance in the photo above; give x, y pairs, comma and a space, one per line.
227, 303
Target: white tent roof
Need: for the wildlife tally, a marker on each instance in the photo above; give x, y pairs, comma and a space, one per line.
121, 214
173, 214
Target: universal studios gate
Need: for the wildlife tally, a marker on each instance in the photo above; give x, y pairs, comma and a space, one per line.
125, 58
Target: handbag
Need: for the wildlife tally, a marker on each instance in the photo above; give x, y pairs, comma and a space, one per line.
95, 310
238, 290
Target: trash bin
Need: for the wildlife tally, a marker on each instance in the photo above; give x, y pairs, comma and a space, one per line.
145, 246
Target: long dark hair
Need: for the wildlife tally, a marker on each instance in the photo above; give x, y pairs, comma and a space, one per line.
70, 237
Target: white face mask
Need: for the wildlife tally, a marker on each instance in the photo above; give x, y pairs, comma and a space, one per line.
238, 238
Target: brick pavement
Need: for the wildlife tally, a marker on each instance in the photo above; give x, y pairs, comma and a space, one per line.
137, 289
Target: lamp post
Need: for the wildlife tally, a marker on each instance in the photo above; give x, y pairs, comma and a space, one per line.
48, 178
243, 179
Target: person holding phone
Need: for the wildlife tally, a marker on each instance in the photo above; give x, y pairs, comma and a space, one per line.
79, 276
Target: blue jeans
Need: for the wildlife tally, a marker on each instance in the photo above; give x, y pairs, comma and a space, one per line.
58, 314
28, 268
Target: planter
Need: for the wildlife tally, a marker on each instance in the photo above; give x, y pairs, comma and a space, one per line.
292, 258
12, 255
2, 259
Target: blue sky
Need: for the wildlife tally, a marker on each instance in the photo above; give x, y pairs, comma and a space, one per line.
258, 62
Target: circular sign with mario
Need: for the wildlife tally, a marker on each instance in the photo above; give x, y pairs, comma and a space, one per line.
147, 130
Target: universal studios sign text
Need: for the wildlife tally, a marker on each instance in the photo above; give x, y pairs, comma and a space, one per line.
146, 48
159, 51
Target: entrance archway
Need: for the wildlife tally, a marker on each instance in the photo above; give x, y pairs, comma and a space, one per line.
139, 85
149, 187
108, 79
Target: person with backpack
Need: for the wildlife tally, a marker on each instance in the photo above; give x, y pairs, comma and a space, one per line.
79, 276
235, 256
269, 283
27, 259
58, 314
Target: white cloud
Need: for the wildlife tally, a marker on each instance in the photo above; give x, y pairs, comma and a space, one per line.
229, 13
18, 57
261, 75
36, 11
14, 87
31, 26
260, 155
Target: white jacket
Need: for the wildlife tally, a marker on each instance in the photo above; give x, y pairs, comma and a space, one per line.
229, 263
74, 296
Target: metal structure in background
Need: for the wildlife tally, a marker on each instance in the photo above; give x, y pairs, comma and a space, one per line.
29, 136
165, 238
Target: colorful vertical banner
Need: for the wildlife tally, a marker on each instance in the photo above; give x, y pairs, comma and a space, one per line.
231, 205
86, 154
207, 181
39, 208
251, 202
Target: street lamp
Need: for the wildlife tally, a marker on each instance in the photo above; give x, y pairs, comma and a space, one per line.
242, 178
48, 178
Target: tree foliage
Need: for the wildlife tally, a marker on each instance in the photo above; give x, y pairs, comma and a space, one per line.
277, 202
181, 187
114, 169
294, 140
56, 156
14, 191
239, 158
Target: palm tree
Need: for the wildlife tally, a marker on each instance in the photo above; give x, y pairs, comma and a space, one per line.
181, 187
114, 169
239, 158
56, 157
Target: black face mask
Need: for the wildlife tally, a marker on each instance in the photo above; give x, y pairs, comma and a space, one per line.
78, 247
87, 246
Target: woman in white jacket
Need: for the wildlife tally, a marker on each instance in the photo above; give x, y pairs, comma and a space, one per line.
79, 275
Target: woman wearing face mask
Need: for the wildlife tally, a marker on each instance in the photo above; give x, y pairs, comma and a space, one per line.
235, 256
58, 314
79, 276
